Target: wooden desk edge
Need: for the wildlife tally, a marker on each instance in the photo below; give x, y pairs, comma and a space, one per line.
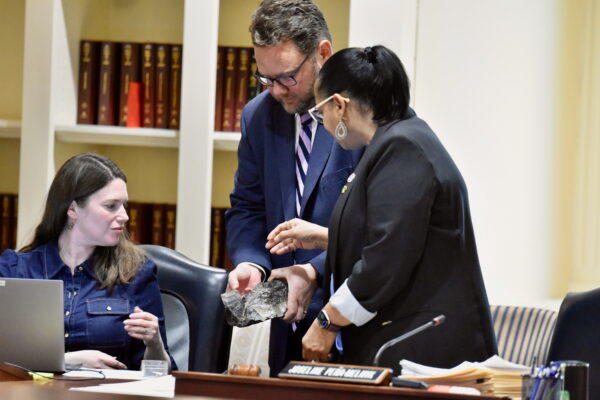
186, 379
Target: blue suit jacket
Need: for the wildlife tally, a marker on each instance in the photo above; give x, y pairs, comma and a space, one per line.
264, 196
265, 183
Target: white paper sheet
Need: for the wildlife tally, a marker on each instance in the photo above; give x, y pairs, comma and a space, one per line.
154, 387
124, 374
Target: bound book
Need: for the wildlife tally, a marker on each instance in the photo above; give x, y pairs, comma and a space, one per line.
148, 84
231, 56
158, 218
87, 92
130, 72
175, 95
170, 218
217, 237
241, 87
108, 83
163, 73
13, 225
219, 93
5, 221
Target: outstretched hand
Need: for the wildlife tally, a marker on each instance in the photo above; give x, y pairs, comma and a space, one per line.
296, 234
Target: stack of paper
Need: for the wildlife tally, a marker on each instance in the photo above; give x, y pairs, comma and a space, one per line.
494, 376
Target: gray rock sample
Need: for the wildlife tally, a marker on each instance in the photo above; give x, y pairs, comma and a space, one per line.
266, 301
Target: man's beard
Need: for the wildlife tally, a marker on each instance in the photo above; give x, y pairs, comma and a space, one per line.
303, 105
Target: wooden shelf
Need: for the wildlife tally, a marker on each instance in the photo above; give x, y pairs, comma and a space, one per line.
117, 135
10, 129
122, 136
226, 141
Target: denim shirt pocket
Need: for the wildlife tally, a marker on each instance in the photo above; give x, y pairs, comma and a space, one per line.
105, 322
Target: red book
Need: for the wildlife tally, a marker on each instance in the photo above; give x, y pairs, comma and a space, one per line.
133, 105
87, 92
175, 95
130, 72
241, 85
5, 221
161, 98
148, 77
229, 89
170, 217
108, 83
158, 221
219, 93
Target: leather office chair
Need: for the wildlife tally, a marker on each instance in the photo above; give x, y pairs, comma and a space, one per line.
577, 334
523, 333
197, 334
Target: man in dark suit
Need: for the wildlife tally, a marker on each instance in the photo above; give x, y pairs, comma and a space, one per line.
288, 166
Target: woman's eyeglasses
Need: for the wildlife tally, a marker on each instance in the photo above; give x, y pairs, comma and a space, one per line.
283, 80
317, 114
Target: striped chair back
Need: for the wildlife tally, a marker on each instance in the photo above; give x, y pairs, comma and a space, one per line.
523, 333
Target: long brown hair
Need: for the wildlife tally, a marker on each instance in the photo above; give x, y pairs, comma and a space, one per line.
76, 180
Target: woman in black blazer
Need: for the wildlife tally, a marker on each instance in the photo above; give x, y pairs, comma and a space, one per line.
400, 244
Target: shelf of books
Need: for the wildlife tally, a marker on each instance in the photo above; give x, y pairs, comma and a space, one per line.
157, 86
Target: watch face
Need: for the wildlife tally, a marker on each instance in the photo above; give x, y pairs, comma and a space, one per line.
323, 321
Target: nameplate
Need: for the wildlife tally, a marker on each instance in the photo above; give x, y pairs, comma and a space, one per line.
339, 373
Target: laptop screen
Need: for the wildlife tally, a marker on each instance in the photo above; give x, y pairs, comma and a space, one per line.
32, 323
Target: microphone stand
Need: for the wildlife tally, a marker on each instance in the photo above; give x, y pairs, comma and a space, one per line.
434, 322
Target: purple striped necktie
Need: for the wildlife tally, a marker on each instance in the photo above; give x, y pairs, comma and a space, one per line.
303, 150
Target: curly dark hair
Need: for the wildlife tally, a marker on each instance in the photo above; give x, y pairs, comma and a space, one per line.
300, 21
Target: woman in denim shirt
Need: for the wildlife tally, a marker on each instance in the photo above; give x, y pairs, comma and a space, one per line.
112, 307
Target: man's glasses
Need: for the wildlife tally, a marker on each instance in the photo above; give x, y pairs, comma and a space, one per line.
317, 114
283, 80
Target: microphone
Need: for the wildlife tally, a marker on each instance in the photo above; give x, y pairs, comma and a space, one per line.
434, 322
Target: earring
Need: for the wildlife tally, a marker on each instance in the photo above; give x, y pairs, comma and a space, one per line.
341, 130
70, 225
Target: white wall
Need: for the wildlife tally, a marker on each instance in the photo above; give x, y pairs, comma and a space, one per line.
484, 79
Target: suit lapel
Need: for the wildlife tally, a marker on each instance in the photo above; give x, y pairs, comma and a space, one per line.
334, 223
318, 159
283, 127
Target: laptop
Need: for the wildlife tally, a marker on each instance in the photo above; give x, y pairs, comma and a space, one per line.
32, 324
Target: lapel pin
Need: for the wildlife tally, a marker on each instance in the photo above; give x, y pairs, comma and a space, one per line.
351, 177
344, 188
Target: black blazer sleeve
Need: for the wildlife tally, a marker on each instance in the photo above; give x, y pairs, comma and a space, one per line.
400, 189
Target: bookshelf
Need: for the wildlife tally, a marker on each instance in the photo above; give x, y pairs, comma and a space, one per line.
192, 166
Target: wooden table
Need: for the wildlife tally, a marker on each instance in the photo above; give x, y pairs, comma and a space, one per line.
195, 386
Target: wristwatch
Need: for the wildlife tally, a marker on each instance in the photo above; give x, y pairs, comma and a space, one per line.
325, 322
